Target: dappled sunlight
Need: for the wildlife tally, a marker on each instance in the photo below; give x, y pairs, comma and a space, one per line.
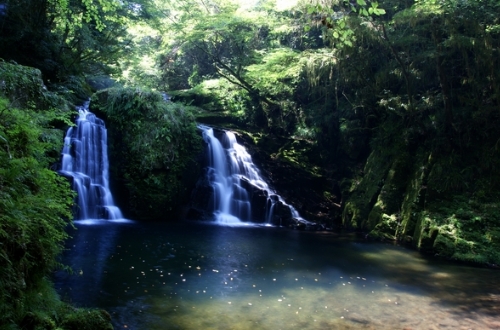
344, 302
280, 4
199, 276
392, 257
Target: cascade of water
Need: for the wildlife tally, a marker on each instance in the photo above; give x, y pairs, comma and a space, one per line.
85, 160
232, 176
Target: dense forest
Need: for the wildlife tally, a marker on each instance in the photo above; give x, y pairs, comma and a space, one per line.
376, 117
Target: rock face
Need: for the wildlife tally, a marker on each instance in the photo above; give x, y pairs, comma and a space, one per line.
387, 196
258, 200
315, 196
229, 173
203, 206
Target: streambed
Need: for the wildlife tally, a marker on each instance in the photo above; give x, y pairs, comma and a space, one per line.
194, 275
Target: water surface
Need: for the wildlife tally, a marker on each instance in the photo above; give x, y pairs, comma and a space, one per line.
204, 276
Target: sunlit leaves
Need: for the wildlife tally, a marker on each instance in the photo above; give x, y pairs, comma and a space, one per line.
215, 40
375, 10
334, 17
88, 11
278, 73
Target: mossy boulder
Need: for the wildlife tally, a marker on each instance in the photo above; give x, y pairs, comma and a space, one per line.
153, 148
25, 87
87, 319
444, 245
385, 228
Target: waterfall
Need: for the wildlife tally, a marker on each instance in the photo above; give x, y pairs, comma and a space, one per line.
236, 182
85, 160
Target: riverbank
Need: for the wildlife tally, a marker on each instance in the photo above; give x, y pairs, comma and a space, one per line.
35, 205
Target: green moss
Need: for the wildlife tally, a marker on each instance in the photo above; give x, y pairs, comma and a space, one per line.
364, 191
493, 235
460, 226
471, 234
87, 319
414, 196
299, 153
153, 145
390, 197
40, 308
25, 88
463, 246
38, 321
444, 245
471, 258
425, 232
349, 215
385, 228
375, 216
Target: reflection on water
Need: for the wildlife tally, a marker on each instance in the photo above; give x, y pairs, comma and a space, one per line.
200, 276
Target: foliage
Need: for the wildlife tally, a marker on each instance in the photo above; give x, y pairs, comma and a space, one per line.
400, 99
68, 39
279, 74
86, 319
91, 12
140, 67
219, 95
333, 16
35, 203
153, 142
41, 308
467, 230
25, 87
242, 47
412, 82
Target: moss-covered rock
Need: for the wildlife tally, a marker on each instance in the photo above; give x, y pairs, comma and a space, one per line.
444, 245
153, 148
35, 202
87, 319
388, 200
425, 235
414, 194
286, 164
25, 87
364, 192
385, 228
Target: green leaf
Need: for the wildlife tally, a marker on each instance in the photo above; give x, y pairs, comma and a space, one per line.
361, 2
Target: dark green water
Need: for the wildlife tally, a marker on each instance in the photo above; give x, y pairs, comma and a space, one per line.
203, 276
